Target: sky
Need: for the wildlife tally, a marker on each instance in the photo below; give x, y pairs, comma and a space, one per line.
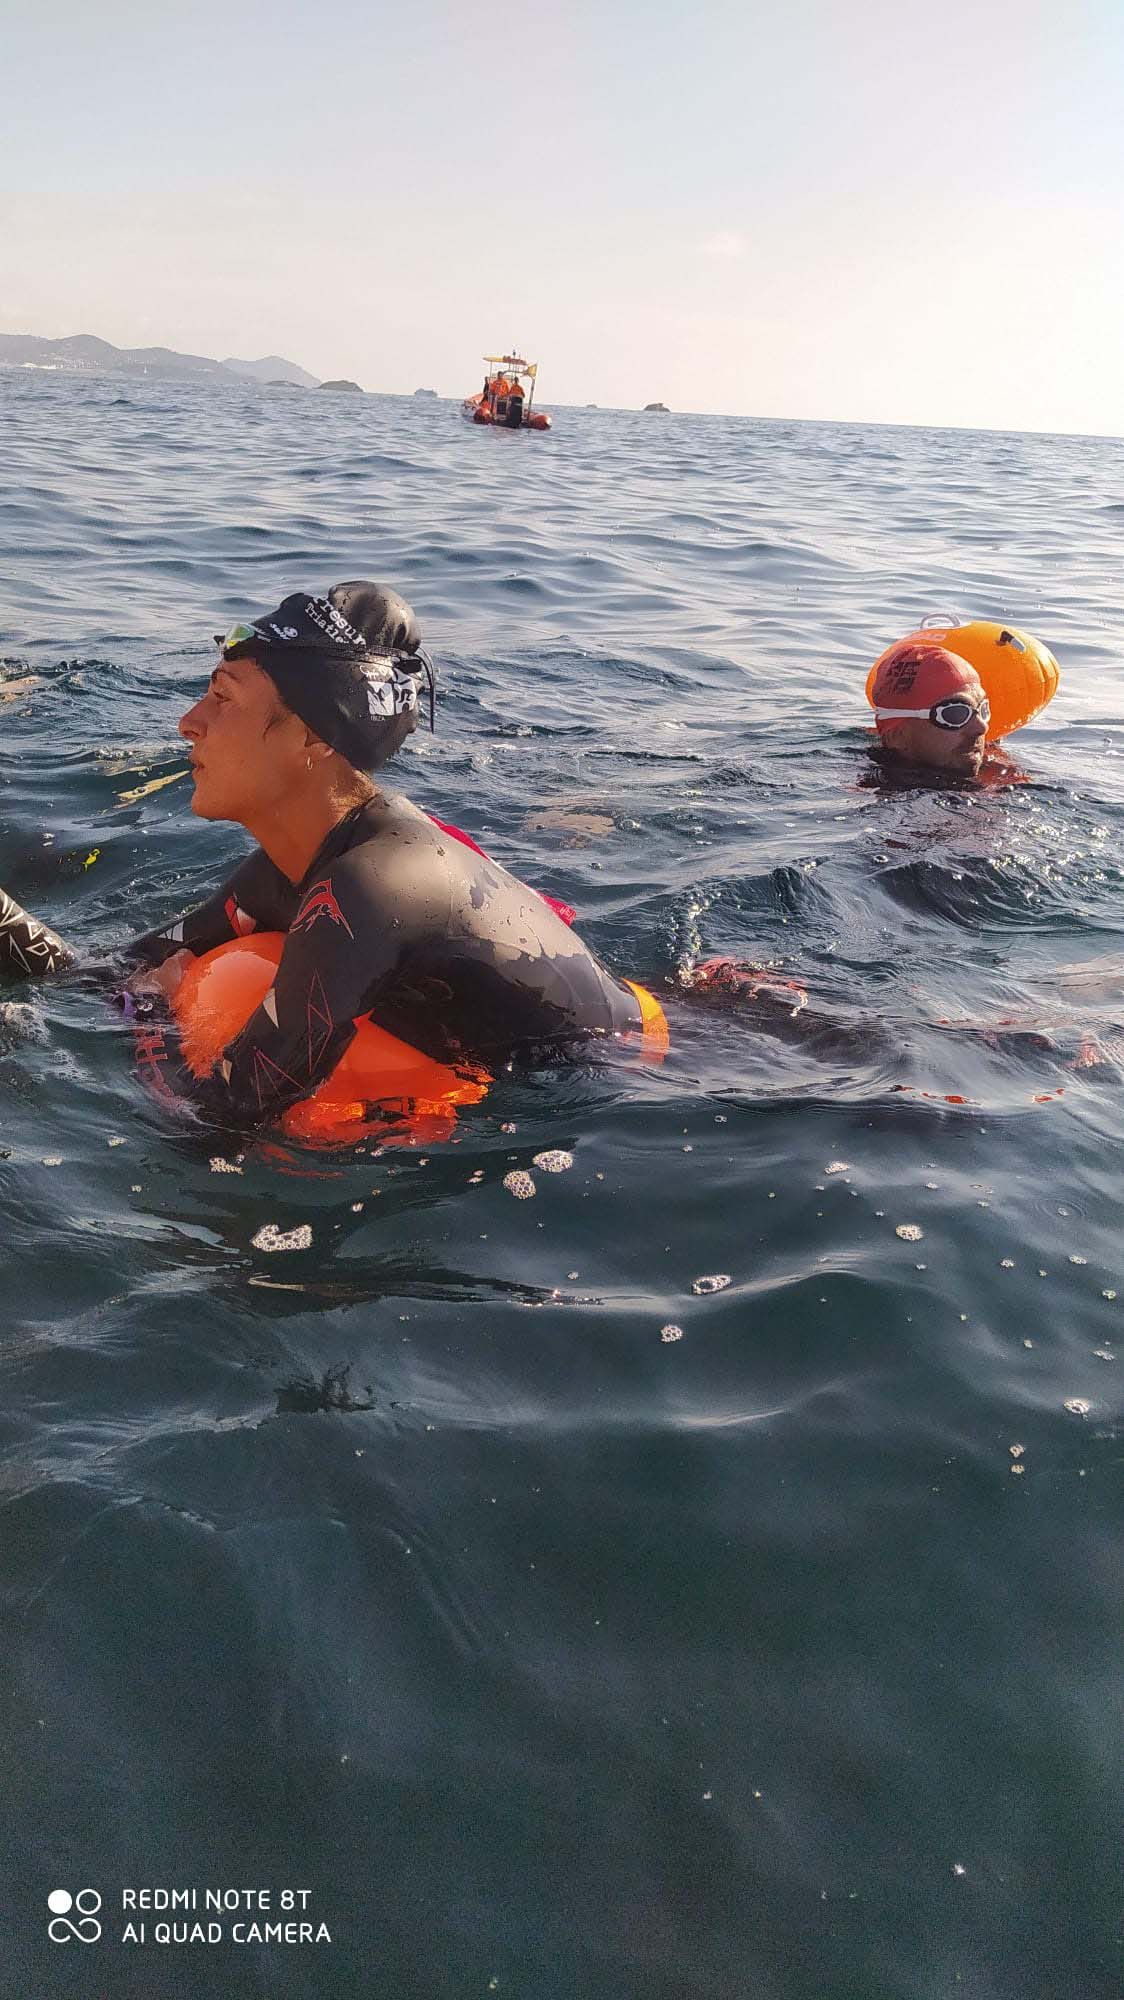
900, 213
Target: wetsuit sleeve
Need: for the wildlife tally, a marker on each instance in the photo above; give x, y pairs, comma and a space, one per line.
342, 943
257, 897
28, 950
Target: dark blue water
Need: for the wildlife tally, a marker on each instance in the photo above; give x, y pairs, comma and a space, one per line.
417, 1569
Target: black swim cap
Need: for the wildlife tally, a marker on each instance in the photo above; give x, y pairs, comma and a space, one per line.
349, 665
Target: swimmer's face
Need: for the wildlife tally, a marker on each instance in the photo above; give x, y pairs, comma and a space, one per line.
960, 751
246, 748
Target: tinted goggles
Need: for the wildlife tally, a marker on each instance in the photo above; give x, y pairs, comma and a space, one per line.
954, 712
237, 636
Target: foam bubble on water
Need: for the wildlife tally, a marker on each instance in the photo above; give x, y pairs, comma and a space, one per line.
1006, 1263
555, 1162
1075, 1257
1078, 1406
1104, 1354
221, 1166
909, 1232
520, 1185
717, 1283
52, 1160
115, 1142
1109, 1294
269, 1237
837, 1167
670, 1333
1016, 1450
23, 1022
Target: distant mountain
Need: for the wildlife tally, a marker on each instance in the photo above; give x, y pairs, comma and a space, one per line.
85, 354
273, 369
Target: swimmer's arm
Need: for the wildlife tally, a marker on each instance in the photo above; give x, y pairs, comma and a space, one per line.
329, 973
28, 950
256, 897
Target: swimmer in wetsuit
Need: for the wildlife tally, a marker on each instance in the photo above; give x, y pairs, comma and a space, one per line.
386, 914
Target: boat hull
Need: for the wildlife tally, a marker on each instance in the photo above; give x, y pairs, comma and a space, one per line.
477, 411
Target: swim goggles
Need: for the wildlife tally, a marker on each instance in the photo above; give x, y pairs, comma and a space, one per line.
237, 636
954, 712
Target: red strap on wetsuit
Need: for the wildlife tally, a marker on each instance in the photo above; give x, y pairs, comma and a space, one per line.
566, 911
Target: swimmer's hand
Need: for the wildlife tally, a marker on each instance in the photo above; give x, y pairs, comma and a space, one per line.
162, 979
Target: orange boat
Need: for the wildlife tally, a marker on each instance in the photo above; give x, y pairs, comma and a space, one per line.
507, 396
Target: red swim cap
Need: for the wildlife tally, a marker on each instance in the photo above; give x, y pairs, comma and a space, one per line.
916, 676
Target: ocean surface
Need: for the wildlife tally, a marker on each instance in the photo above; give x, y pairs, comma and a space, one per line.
543, 1620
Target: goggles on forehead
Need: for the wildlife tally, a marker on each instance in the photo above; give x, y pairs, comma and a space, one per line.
237, 636
954, 712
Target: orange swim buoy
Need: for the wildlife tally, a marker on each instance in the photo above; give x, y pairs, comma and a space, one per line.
378, 1081
655, 1036
1018, 673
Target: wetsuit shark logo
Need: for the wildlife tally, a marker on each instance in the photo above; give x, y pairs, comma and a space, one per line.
320, 902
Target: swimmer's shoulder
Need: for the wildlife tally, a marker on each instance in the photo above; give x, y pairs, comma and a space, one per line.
389, 821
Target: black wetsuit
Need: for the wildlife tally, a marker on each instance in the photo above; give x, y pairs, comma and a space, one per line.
397, 920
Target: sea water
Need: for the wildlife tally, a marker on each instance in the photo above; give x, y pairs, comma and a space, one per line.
696, 1578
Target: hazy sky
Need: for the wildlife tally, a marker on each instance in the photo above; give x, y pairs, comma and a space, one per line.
895, 210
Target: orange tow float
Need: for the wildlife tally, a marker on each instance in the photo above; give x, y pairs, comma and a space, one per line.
379, 1084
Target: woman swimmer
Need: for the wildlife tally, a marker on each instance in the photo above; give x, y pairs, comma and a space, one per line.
385, 914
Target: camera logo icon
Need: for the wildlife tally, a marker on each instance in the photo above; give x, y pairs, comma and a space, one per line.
84, 1928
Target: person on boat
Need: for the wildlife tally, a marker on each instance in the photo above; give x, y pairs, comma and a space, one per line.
930, 710
386, 914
